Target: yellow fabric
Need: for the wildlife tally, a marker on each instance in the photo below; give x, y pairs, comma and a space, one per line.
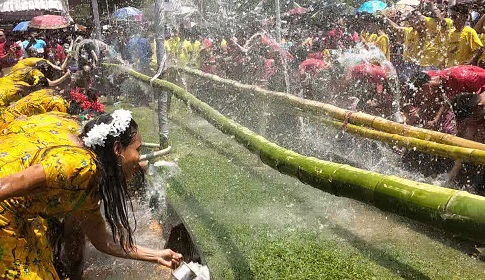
153, 46
195, 49
482, 39
424, 50
224, 44
380, 41
69, 171
26, 62
461, 46
19, 83
38, 102
8, 91
440, 43
185, 49
172, 46
44, 128
364, 36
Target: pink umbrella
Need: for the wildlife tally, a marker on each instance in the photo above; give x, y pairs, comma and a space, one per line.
49, 22
297, 11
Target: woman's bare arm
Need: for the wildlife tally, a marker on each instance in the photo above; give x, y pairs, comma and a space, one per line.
94, 227
23, 183
60, 80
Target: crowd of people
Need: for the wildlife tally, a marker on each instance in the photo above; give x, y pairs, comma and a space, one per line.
423, 67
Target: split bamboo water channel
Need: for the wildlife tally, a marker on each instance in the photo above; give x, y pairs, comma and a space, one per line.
452, 210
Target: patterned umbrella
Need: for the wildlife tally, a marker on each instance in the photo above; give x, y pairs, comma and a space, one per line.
49, 22
128, 13
22, 26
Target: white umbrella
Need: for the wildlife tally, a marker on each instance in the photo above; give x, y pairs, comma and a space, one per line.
413, 3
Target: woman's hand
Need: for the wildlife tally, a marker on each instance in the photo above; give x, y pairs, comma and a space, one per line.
169, 258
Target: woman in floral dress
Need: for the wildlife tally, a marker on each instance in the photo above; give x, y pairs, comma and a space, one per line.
42, 180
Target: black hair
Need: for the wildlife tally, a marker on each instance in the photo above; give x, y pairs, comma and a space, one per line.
46, 69
418, 79
464, 104
112, 184
460, 8
414, 83
32, 81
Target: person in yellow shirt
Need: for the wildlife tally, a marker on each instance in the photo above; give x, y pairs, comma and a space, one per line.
195, 53
373, 35
463, 44
422, 42
172, 48
184, 52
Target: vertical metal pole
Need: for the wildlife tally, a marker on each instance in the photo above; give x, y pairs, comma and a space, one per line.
282, 52
160, 52
107, 12
97, 24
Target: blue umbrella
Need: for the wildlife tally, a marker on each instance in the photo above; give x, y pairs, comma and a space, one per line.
127, 12
23, 26
372, 7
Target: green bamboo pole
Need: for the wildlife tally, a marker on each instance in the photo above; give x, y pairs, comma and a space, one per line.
357, 118
452, 210
443, 150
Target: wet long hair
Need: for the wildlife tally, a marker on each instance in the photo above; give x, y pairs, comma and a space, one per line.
112, 183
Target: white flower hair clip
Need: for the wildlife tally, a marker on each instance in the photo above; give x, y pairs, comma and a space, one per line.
99, 133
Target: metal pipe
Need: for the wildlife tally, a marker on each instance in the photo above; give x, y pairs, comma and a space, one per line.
155, 154
151, 145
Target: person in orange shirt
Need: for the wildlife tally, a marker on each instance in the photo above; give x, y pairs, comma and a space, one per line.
463, 45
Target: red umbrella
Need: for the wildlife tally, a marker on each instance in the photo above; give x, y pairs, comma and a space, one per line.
49, 22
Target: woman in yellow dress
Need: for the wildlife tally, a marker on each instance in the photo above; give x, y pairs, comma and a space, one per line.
69, 180
19, 83
38, 102
34, 61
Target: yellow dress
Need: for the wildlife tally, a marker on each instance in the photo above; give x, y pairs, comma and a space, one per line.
52, 128
26, 62
24, 251
69, 171
19, 83
37, 102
